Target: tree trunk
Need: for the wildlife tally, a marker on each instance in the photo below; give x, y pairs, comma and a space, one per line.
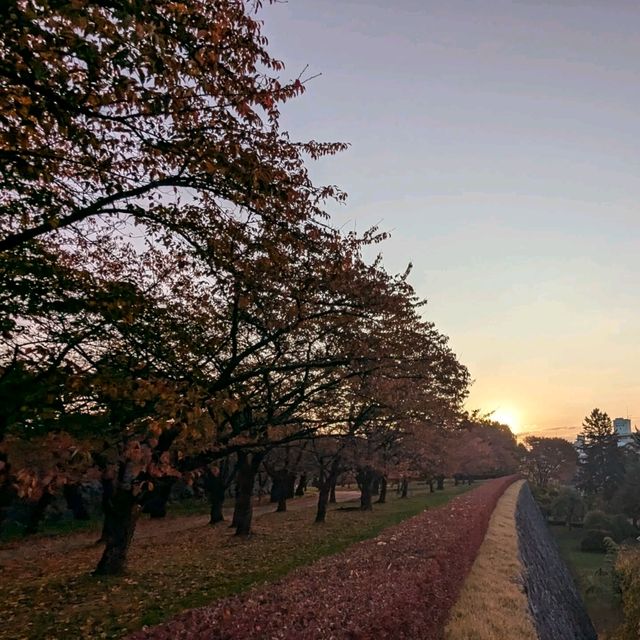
302, 485
440, 483
281, 489
323, 498
375, 487
215, 514
326, 486
214, 486
332, 492
243, 512
290, 485
431, 488
405, 488
275, 490
383, 490
156, 503
7, 490
234, 518
36, 513
107, 494
364, 478
365, 497
75, 501
121, 515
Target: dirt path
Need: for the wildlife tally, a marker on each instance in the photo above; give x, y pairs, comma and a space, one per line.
38, 546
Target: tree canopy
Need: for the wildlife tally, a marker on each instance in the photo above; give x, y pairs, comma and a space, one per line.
173, 294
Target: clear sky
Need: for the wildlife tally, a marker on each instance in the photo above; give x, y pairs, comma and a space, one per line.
499, 143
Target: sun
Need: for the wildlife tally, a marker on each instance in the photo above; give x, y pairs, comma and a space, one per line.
508, 416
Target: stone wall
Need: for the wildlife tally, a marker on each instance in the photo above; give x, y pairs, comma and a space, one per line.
556, 607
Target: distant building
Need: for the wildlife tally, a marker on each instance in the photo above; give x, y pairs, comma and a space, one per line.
622, 427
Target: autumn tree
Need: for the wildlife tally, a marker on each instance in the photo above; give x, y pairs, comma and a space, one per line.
549, 459
425, 451
240, 313
421, 385
480, 447
115, 111
329, 454
151, 118
283, 466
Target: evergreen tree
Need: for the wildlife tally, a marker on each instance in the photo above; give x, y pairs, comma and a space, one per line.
601, 463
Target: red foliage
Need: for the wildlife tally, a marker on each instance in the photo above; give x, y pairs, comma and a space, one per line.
401, 584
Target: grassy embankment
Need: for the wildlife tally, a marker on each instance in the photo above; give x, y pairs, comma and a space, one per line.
47, 591
593, 579
492, 604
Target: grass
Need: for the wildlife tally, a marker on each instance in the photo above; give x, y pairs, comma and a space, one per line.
47, 591
492, 604
14, 531
594, 583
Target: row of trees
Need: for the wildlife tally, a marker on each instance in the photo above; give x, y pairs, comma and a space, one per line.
173, 301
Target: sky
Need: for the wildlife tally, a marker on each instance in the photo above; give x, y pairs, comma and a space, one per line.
497, 142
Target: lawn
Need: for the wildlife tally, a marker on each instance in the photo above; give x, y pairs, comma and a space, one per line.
47, 590
590, 573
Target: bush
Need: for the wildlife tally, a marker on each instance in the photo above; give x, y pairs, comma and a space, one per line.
617, 526
597, 519
545, 498
568, 505
628, 569
622, 528
593, 540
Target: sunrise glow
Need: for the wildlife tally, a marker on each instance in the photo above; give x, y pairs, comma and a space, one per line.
507, 416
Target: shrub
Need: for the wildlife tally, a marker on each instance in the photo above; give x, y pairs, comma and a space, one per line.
545, 498
618, 526
593, 540
597, 519
622, 528
568, 505
628, 568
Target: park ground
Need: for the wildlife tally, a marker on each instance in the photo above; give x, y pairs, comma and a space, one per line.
181, 562
593, 578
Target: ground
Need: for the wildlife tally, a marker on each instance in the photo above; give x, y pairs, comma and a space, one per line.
47, 591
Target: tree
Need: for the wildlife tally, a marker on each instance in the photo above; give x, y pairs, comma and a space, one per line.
108, 109
568, 505
480, 447
549, 459
600, 463
282, 466
328, 452
627, 497
241, 315
151, 117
